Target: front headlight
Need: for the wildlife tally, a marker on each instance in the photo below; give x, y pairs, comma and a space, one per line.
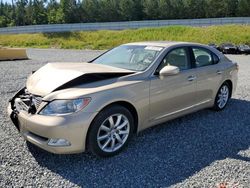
62, 107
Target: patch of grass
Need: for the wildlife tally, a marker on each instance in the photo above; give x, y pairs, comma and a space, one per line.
236, 34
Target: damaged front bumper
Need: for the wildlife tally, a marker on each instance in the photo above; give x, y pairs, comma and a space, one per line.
43, 130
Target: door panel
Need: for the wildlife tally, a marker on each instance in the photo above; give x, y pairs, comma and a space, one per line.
209, 73
172, 94
208, 80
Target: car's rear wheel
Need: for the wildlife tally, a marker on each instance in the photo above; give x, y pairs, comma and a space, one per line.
222, 97
110, 131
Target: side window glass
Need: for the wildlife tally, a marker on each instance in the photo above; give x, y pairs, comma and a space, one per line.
177, 57
202, 57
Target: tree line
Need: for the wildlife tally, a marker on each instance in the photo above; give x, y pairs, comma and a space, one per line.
32, 12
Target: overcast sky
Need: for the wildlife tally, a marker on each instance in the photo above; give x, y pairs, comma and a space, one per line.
9, 1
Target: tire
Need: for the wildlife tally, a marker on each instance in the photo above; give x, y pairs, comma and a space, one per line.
222, 97
102, 139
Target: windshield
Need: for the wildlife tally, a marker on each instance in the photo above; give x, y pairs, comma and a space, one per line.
132, 57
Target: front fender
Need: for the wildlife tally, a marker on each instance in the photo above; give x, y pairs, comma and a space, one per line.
135, 94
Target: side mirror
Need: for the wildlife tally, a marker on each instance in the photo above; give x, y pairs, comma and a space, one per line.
169, 70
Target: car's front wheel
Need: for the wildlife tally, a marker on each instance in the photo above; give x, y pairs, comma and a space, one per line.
110, 131
222, 97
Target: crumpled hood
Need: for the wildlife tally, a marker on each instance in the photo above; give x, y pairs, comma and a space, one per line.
54, 75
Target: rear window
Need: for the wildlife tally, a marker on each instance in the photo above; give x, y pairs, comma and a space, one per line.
204, 57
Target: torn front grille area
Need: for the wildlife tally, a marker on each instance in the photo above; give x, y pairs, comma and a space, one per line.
27, 102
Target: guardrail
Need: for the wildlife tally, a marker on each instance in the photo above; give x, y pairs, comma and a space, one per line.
122, 25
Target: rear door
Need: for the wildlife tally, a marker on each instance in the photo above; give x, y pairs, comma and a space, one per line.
208, 72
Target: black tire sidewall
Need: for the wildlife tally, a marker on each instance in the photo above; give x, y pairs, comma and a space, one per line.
92, 143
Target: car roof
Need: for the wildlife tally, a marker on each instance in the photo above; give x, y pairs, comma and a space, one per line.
167, 44
164, 44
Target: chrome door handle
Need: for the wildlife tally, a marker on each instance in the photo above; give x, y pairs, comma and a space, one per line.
219, 72
191, 78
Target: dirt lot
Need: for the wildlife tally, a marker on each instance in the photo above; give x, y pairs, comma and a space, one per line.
199, 150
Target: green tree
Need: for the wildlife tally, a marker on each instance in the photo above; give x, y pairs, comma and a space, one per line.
21, 12
68, 11
195, 8
171, 9
216, 8
165, 9
52, 9
151, 9
1, 8
138, 14
27, 12
244, 8
178, 9
36, 12
3, 21
127, 9
90, 11
40, 14
109, 10
232, 7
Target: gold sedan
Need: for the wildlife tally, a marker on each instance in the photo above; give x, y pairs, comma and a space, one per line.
99, 105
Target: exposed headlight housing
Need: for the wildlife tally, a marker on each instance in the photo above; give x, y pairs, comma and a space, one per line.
63, 107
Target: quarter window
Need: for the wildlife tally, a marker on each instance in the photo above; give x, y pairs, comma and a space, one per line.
177, 57
202, 57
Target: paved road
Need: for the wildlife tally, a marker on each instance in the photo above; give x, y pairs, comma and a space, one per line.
198, 150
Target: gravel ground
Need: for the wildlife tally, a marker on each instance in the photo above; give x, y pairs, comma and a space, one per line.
199, 150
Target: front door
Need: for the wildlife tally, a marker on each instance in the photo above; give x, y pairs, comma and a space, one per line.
176, 93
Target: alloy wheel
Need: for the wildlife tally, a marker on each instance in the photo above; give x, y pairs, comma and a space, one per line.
223, 96
113, 133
